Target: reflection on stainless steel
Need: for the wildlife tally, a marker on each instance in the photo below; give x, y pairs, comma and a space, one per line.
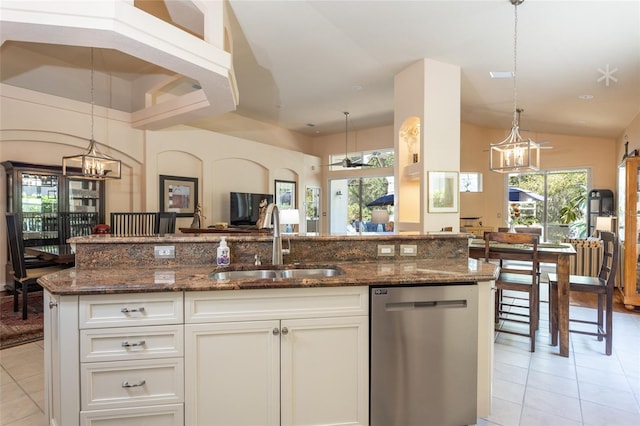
424, 342
277, 273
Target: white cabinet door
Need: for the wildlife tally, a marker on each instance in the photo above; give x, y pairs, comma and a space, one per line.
232, 373
325, 371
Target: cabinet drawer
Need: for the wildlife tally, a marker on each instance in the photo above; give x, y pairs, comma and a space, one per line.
248, 305
160, 415
131, 383
113, 344
119, 310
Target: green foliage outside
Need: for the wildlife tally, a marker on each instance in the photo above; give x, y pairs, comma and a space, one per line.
363, 190
566, 201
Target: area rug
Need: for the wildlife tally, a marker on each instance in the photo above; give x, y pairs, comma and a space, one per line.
16, 331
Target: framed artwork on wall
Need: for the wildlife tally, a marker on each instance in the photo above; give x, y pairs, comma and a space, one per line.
443, 192
285, 194
178, 194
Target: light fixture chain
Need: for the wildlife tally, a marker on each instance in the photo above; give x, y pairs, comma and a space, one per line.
92, 101
515, 61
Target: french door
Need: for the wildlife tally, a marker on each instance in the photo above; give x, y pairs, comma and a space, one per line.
553, 199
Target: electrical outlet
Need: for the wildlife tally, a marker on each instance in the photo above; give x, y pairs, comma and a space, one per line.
408, 249
386, 250
164, 252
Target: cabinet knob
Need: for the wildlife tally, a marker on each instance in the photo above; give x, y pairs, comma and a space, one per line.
276, 331
285, 331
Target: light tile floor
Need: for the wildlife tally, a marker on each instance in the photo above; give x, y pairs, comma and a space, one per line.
529, 389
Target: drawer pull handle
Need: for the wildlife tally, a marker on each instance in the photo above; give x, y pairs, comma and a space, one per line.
128, 311
126, 384
126, 344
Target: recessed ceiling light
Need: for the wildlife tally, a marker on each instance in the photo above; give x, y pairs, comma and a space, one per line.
501, 74
356, 88
585, 97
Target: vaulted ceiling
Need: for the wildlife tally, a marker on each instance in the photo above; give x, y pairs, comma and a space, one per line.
300, 64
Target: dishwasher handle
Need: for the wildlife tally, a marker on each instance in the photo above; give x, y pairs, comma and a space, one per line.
428, 304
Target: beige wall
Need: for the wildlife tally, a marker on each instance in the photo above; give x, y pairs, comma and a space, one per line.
39, 128
568, 152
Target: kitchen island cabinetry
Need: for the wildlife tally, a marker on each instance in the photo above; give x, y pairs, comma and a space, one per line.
113, 359
289, 356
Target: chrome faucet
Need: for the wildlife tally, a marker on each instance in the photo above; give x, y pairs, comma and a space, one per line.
272, 211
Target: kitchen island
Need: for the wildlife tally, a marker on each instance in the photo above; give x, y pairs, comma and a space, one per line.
133, 336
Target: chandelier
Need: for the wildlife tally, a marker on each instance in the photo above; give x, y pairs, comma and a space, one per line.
92, 165
515, 154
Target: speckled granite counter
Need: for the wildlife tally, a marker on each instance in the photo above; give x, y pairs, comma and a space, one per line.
107, 264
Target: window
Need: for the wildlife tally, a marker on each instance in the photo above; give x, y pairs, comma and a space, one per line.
355, 187
372, 159
554, 200
470, 182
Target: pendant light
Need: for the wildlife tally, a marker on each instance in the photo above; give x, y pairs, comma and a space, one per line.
92, 165
515, 154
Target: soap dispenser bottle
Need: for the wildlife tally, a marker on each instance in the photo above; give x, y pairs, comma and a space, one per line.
223, 258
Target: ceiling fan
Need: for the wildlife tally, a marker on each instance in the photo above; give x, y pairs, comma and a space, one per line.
346, 161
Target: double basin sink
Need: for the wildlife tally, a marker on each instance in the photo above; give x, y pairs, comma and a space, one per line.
277, 274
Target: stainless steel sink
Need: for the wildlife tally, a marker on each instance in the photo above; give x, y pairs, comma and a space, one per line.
267, 274
310, 273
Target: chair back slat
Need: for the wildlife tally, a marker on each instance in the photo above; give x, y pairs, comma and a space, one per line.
517, 240
166, 223
75, 224
133, 223
609, 258
16, 245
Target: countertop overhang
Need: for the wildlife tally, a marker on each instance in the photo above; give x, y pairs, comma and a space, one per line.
85, 281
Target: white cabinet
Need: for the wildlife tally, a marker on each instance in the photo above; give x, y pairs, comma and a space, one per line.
114, 359
289, 356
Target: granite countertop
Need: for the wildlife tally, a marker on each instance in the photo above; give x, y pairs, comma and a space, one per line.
84, 281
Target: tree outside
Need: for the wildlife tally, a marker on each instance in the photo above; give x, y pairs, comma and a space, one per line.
564, 201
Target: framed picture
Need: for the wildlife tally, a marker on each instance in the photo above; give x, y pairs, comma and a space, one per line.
178, 194
443, 192
285, 193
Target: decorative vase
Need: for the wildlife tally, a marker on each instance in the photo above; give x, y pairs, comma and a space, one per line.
512, 228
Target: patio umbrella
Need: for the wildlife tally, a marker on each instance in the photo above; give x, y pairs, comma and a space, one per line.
385, 200
518, 194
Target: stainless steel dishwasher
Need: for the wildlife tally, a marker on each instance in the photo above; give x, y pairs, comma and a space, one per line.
424, 344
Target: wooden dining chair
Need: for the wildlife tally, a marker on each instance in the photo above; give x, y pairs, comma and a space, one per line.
520, 305
602, 285
133, 223
166, 223
23, 278
75, 224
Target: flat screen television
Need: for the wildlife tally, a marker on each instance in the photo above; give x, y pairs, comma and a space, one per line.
244, 207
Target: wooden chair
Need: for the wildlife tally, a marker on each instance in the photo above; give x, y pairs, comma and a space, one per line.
23, 278
75, 224
133, 223
602, 285
166, 223
522, 280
